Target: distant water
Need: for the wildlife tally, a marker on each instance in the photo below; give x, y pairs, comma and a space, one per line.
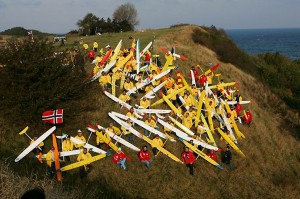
286, 41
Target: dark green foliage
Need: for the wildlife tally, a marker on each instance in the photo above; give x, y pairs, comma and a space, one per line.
280, 73
34, 79
283, 75
91, 25
20, 31
226, 49
88, 25
179, 25
73, 32
123, 26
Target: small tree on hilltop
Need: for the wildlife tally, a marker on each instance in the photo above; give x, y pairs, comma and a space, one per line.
126, 13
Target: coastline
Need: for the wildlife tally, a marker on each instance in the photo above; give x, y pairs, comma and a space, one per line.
285, 41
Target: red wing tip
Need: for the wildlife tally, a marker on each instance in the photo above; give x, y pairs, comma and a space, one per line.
184, 58
90, 126
164, 50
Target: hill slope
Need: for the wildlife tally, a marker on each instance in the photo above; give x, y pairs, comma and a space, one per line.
271, 169
20, 31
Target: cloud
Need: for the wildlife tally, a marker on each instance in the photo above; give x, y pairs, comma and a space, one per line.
25, 2
2, 4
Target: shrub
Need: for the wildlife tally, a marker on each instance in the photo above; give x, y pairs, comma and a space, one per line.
280, 73
34, 78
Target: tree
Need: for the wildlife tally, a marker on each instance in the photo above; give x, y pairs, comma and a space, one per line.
126, 13
88, 25
109, 25
33, 78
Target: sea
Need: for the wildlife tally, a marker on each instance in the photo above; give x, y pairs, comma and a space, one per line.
285, 41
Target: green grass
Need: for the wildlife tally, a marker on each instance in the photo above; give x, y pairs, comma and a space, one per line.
112, 39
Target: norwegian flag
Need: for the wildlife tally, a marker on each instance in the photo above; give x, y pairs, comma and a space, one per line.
29, 32
53, 116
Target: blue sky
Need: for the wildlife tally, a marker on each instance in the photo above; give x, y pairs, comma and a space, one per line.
60, 16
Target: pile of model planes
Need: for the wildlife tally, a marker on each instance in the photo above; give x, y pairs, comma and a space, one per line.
208, 121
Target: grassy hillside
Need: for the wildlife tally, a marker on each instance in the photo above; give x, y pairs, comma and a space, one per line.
20, 32
270, 170
273, 69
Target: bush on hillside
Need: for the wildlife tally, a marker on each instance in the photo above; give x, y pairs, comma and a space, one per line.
73, 33
226, 49
179, 25
280, 73
34, 78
